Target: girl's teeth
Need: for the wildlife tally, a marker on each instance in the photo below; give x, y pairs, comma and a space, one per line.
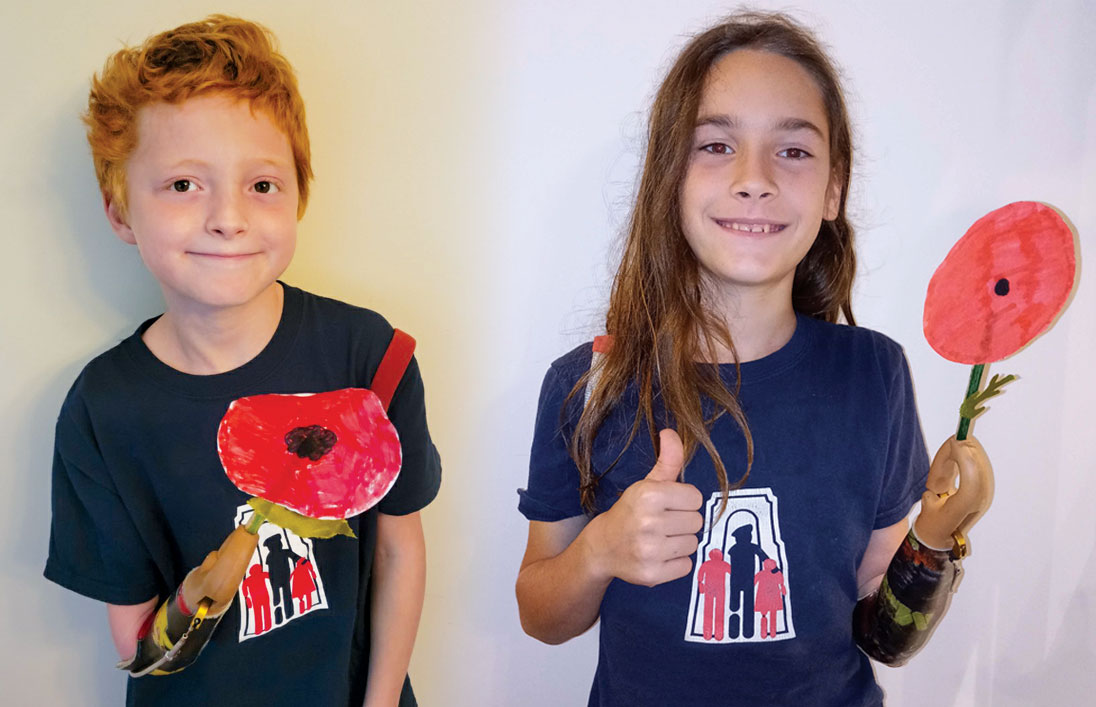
751, 228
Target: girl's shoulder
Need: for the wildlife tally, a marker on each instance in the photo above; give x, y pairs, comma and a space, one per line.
861, 347
571, 365
854, 336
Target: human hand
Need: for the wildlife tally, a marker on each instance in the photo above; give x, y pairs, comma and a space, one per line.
649, 534
219, 575
946, 509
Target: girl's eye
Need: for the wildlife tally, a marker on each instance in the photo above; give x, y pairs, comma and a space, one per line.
265, 187
182, 185
717, 148
795, 153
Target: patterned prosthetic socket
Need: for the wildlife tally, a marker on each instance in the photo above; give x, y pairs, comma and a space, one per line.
172, 638
893, 623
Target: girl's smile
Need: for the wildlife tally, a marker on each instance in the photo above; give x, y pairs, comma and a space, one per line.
750, 226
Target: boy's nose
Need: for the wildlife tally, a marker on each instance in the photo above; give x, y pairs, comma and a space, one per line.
752, 177
227, 216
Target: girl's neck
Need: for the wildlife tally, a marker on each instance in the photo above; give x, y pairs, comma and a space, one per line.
216, 341
760, 323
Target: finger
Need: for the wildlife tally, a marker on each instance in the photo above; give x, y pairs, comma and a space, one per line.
943, 470
975, 482
671, 457
679, 546
682, 523
680, 497
675, 569
209, 562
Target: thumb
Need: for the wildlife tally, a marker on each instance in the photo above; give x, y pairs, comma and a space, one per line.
671, 457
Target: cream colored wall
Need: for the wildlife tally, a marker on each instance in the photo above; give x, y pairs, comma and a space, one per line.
474, 163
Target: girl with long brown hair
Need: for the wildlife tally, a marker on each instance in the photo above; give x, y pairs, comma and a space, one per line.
729, 426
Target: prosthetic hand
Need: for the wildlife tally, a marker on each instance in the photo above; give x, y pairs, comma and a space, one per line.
177, 631
893, 623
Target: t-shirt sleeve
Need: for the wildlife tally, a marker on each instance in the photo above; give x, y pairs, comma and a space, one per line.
552, 493
420, 470
94, 546
907, 462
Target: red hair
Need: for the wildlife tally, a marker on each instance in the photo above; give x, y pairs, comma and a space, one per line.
218, 54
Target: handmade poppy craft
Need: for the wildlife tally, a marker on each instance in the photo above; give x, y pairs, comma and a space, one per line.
310, 460
1002, 284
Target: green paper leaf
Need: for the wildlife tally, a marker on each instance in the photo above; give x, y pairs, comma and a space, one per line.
302, 525
972, 407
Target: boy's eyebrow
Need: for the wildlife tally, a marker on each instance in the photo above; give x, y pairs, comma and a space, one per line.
784, 124
193, 162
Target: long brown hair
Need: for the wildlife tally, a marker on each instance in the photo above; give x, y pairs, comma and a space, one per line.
657, 318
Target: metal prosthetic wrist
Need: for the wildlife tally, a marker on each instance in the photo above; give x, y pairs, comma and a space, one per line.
893, 623
172, 637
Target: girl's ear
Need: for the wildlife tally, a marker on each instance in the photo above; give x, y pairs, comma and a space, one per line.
833, 199
117, 221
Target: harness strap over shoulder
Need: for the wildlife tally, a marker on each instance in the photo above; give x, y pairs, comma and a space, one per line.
392, 366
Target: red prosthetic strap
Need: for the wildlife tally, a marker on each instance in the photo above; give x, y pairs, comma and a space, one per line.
391, 369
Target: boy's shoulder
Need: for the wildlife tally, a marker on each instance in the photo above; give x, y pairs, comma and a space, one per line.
311, 323
328, 311
331, 327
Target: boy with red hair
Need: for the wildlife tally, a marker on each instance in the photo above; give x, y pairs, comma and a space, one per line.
202, 156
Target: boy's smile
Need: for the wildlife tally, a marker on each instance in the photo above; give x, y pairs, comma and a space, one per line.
758, 182
212, 202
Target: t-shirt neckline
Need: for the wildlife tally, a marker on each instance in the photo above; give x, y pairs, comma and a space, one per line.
230, 383
779, 361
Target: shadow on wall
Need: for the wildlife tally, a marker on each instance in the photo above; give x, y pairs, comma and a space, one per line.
103, 278
86, 275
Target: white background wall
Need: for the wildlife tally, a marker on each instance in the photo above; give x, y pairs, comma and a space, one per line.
474, 163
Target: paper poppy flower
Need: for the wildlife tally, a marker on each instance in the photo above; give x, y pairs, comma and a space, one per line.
1002, 284
324, 455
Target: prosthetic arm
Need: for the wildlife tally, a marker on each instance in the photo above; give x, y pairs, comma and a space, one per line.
892, 623
173, 635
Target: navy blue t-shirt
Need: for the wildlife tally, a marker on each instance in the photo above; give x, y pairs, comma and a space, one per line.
765, 617
140, 496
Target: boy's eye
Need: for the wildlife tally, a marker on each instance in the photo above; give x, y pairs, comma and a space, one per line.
795, 153
182, 185
265, 187
717, 148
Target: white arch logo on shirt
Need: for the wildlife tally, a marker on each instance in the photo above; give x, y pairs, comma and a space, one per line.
282, 582
741, 592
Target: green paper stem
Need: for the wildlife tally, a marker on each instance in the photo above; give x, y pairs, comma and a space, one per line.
257, 519
972, 389
972, 405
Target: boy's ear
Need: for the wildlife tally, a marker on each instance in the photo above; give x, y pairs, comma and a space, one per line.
117, 222
833, 199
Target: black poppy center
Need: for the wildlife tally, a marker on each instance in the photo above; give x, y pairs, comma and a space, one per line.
312, 442
1001, 288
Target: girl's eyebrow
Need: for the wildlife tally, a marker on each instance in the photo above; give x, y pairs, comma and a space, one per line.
782, 125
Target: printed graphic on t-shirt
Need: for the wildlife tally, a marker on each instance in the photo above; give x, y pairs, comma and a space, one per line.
741, 592
281, 584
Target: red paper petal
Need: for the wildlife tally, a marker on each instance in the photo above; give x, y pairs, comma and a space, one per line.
356, 473
1002, 284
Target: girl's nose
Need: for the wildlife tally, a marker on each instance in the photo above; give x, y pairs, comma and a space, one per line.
227, 215
752, 177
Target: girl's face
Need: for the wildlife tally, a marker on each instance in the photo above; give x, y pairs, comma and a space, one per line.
758, 184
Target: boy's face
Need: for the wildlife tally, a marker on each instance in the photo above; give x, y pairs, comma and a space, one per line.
212, 202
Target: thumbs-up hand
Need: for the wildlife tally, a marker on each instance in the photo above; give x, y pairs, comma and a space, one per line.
649, 534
